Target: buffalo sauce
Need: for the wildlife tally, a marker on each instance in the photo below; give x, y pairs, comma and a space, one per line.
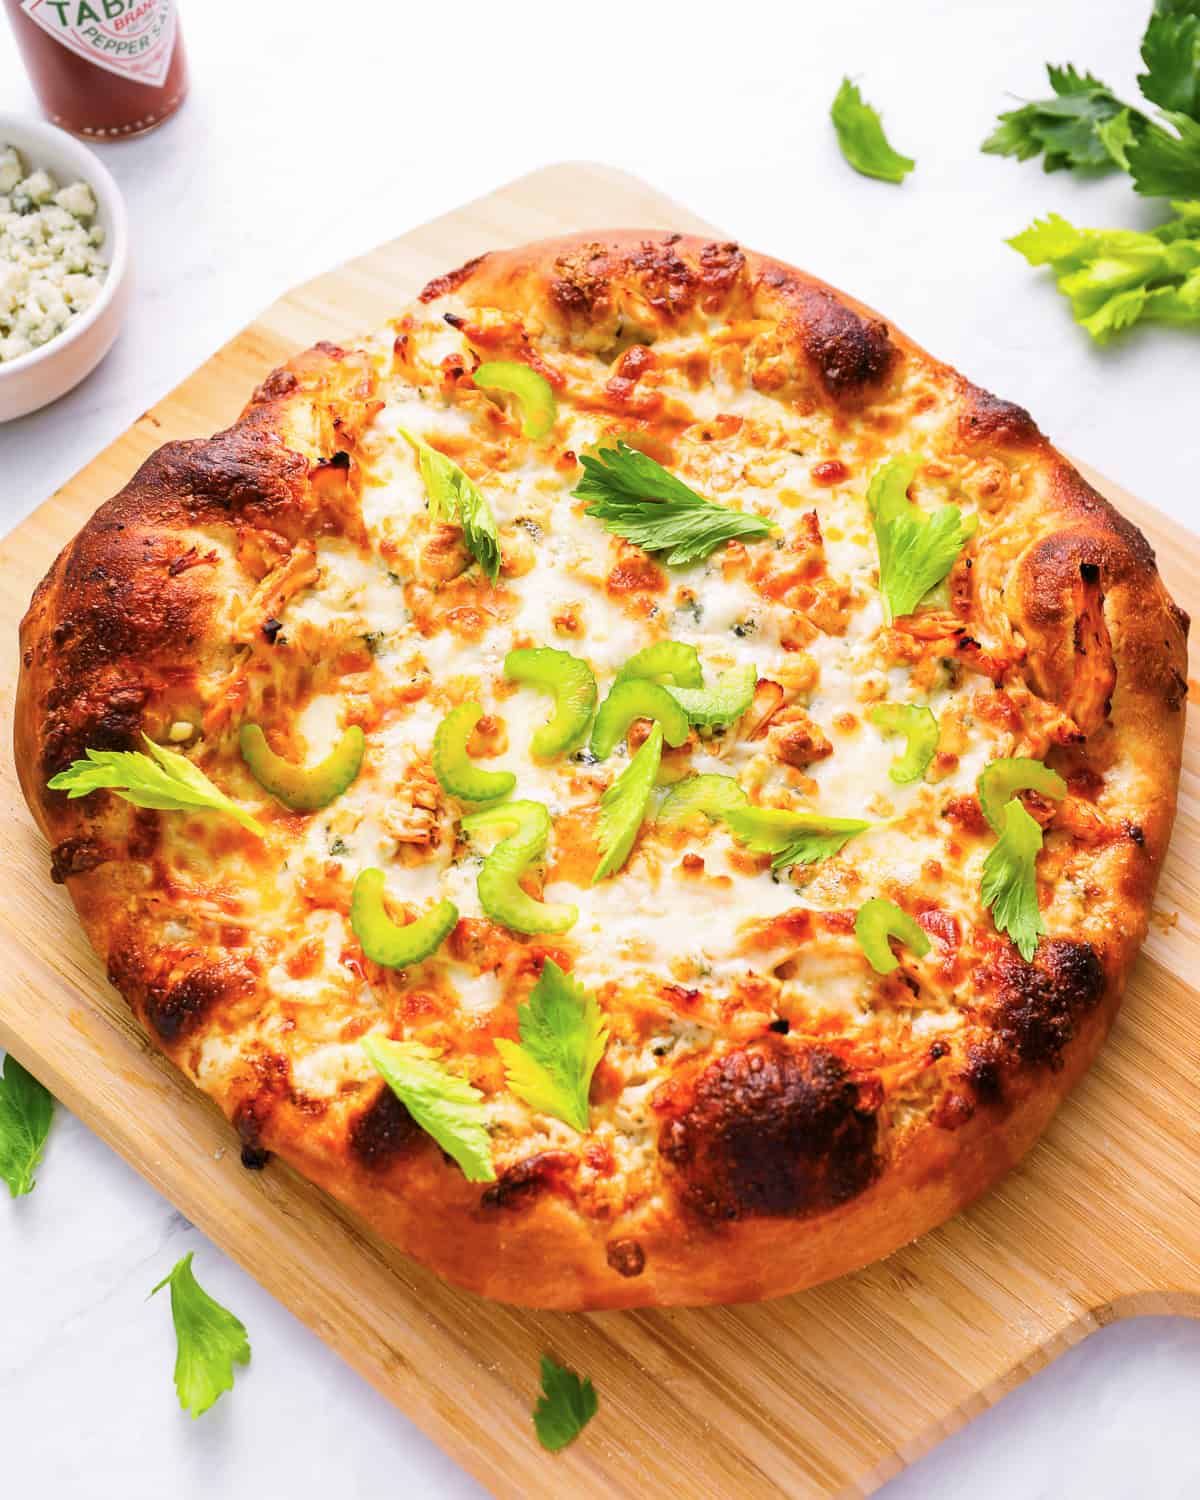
104, 69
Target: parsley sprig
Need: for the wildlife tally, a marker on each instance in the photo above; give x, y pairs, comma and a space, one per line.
163, 779
567, 1404
639, 500
1009, 884
210, 1340
860, 135
916, 549
26, 1109
1083, 126
444, 1105
791, 838
454, 496
563, 1037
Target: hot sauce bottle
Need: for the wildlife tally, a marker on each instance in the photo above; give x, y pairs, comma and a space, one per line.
105, 69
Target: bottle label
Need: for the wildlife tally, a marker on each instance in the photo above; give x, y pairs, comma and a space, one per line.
132, 38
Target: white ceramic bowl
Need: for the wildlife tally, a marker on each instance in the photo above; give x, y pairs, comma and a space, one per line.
45, 374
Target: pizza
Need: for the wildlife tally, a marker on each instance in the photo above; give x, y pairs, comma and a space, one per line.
635, 778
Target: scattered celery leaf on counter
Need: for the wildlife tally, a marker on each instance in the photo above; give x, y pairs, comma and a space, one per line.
210, 1340
860, 135
1166, 165
567, 1404
1116, 277
1075, 130
26, 1109
1171, 52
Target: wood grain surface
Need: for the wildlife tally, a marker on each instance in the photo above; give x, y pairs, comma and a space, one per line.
827, 1393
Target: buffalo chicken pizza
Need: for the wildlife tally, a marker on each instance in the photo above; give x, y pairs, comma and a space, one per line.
635, 778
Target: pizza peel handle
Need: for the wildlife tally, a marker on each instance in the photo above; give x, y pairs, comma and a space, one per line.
825, 1393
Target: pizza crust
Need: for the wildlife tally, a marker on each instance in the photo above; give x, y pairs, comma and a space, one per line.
776, 1164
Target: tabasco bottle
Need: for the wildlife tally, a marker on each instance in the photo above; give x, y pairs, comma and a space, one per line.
104, 69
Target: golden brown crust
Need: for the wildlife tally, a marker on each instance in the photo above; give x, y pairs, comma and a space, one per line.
777, 1171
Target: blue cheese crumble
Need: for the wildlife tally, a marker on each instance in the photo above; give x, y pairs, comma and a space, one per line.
51, 262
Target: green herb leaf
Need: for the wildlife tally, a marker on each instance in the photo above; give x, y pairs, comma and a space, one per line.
1171, 52
164, 779
1116, 277
794, 838
916, 549
1075, 130
639, 500
210, 1341
1009, 884
444, 1105
567, 1404
1048, 239
860, 135
26, 1109
1165, 165
562, 1039
453, 496
623, 805
1117, 135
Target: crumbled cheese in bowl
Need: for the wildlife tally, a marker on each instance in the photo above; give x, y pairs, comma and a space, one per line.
51, 261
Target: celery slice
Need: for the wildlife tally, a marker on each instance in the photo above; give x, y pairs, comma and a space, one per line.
534, 394
1001, 780
709, 797
719, 706
876, 922
302, 788
569, 680
920, 730
381, 939
500, 893
674, 659
453, 767
636, 698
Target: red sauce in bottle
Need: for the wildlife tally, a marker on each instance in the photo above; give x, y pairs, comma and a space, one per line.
102, 68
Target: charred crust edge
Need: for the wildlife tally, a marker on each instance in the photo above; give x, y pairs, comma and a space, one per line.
450, 281
1035, 1012
383, 1131
519, 1185
770, 1130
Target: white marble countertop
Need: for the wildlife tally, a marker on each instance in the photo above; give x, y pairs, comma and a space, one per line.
313, 135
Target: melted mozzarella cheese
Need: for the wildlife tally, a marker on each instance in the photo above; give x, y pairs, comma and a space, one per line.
661, 921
